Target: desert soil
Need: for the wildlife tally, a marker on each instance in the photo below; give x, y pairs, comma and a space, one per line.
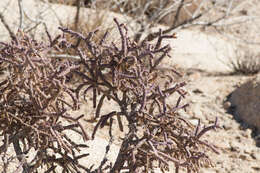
238, 150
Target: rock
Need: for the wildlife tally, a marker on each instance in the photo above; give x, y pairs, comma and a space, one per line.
246, 102
37, 13
193, 49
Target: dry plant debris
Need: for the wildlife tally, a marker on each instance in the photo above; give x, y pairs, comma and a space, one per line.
35, 101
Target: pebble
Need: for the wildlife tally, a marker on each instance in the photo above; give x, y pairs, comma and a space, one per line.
246, 133
194, 122
197, 91
227, 127
253, 155
227, 105
197, 111
256, 168
234, 146
243, 157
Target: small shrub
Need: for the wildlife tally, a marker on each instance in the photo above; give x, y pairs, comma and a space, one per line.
36, 105
247, 63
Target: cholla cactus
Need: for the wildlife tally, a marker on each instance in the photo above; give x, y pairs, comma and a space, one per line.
36, 100
141, 92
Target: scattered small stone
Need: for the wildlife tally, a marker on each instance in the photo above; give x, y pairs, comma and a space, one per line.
247, 150
194, 76
238, 138
253, 155
197, 111
256, 168
197, 91
243, 157
194, 122
234, 155
227, 105
246, 133
226, 127
234, 146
